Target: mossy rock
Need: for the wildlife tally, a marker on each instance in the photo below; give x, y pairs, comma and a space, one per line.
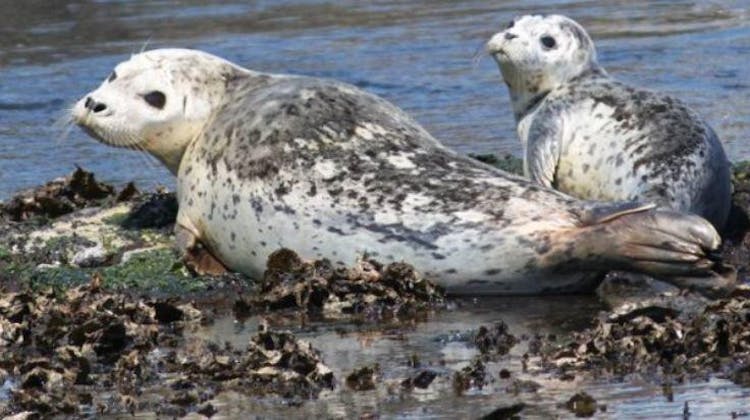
507, 162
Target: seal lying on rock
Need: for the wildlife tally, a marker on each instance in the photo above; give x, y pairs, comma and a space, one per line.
595, 138
269, 161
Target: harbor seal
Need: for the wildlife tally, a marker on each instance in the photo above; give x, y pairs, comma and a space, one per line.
266, 161
590, 136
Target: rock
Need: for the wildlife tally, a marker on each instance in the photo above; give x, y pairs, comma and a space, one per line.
158, 210
58, 197
495, 340
661, 340
507, 162
90, 347
582, 405
505, 412
421, 380
364, 378
472, 376
91, 257
366, 289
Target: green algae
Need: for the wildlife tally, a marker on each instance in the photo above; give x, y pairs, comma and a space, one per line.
117, 219
158, 271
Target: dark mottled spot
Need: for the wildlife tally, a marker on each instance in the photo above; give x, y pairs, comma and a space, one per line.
335, 230
476, 282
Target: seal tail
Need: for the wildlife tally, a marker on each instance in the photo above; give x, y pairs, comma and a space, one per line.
675, 247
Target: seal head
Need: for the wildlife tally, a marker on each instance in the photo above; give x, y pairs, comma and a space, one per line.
157, 101
537, 54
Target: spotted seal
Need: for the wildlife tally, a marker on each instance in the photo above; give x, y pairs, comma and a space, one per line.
590, 136
265, 161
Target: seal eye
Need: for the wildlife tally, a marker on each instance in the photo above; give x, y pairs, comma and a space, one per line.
156, 99
510, 24
548, 42
112, 77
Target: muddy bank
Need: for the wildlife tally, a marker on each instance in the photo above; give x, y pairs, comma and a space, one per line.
100, 316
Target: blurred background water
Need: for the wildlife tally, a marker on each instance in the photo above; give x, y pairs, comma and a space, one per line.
416, 53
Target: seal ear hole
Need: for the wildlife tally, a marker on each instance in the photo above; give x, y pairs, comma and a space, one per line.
548, 42
156, 99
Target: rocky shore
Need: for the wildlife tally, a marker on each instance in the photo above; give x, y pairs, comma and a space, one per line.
96, 309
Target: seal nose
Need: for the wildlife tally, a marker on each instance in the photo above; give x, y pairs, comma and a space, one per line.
510, 36
94, 106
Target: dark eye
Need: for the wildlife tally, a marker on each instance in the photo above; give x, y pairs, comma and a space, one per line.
510, 24
112, 77
156, 99
548, 42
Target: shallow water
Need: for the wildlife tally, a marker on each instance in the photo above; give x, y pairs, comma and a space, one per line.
441, 346
417, 53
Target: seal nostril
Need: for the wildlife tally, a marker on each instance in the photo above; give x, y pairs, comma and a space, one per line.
94, 106
510, 36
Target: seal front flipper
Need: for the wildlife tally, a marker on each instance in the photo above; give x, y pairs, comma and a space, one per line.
195, 255
597, 213
675, 247
542, 148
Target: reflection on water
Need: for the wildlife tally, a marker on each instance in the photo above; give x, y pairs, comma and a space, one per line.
441, 345
416, 53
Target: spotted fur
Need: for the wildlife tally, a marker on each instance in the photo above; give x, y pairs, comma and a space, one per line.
333, 172
595, 138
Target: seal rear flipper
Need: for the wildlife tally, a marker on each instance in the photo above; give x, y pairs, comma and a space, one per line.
719, 283
674, 247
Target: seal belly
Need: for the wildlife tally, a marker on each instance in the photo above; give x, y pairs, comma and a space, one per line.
595, 161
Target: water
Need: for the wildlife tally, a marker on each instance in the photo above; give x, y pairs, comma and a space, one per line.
416, 53
345, 347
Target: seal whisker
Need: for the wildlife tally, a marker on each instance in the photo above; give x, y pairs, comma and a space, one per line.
63, 125
135, 144
145, 45
478, 55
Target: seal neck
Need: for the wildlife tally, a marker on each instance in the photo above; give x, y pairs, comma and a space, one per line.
593, 72
524, 103
525, 96
170, 156
171, 149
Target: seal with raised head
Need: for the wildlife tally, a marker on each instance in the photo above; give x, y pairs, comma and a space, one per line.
268, 161
595, 138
